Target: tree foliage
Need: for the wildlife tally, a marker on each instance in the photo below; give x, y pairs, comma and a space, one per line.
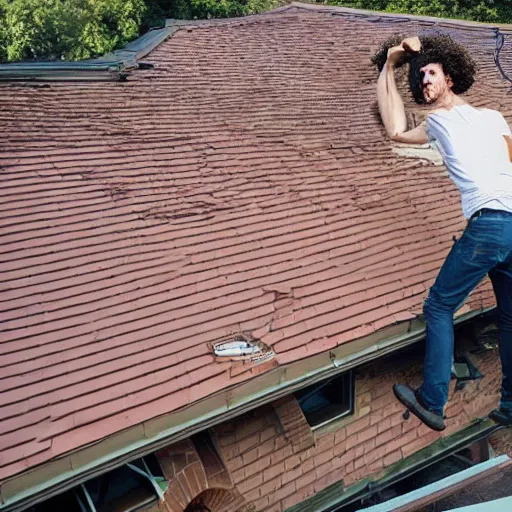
66, 29
159, 10
490, 11
81, 29
3, 30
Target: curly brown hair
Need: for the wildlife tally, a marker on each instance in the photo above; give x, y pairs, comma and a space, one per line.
441, 49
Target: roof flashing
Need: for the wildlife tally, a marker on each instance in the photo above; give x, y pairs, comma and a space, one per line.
115, 66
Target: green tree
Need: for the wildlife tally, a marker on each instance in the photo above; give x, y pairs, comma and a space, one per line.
67, 29
3, 30
82, 29
158, 10
504, 10
228, 8
490, 11
478, 10
114, 23
42, 30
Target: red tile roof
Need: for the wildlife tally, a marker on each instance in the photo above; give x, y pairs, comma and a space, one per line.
243, 185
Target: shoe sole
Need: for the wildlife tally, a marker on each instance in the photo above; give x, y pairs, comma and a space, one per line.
409, 404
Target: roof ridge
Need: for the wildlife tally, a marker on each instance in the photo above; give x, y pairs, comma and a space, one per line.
364, 12
175, 22
118, 64
341, 11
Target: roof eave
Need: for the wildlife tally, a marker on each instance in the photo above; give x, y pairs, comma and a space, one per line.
59, 475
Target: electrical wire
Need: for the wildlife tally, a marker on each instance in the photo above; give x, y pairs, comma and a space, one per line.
500, 42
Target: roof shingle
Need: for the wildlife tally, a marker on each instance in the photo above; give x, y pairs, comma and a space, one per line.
242, 185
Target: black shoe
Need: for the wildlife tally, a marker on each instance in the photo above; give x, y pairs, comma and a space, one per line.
413, 402
501, 417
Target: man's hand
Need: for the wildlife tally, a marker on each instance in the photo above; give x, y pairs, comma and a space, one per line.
395, 54
411, 44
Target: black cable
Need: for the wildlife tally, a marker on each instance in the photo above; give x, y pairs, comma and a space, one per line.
500, 42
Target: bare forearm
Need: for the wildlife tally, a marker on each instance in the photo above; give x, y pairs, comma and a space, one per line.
391, 105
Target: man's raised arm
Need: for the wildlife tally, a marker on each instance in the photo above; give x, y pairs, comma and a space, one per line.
391, 105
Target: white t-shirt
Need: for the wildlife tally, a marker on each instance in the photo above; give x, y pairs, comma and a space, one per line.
476, 155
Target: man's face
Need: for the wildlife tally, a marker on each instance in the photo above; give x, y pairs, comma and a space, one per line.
435, 83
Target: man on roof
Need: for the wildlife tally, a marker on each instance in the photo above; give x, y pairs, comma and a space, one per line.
476, 146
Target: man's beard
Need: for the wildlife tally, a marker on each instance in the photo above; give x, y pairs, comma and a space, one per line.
430, 97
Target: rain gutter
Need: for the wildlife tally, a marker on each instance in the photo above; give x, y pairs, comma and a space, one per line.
442, 488
498, 505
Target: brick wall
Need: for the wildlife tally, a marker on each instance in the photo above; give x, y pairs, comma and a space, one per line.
293, 423
268, 470
195, 479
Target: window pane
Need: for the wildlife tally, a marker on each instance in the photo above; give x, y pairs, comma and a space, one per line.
327, 400
120, 490
65, 502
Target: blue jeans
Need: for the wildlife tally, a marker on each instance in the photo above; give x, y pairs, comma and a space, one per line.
484, 248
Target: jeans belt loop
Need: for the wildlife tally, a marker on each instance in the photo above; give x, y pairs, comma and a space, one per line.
477, 214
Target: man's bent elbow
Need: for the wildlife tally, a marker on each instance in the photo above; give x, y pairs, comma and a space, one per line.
415, 136
398, 137
393, 131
